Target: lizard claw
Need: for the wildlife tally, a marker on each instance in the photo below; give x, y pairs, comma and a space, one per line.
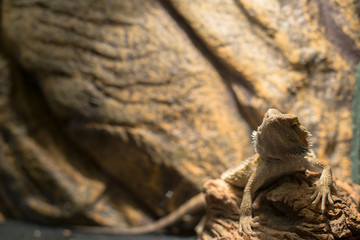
246, 224
323, 193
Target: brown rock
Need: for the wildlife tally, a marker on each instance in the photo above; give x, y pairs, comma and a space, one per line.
148, 99
284, 210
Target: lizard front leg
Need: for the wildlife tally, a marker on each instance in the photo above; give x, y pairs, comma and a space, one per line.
325, 185
323, 190
246, 175
246, 221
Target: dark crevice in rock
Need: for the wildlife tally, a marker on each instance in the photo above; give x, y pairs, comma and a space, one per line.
229, 75
345, 45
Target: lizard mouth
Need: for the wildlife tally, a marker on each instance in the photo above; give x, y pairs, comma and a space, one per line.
303, 135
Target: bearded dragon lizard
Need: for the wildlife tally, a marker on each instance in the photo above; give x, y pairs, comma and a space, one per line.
281, 148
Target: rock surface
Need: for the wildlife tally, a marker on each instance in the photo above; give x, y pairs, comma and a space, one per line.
113, 112
284, 210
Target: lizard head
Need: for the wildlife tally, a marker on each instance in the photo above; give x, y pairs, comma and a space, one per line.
280, 135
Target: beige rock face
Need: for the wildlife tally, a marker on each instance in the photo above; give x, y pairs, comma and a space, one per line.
109, 109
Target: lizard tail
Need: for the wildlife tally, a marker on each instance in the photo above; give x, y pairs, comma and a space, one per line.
193, 205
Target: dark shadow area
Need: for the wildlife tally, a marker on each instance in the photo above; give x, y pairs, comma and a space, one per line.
16, 230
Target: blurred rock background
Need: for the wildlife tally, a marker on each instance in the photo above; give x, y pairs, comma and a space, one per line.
116, 112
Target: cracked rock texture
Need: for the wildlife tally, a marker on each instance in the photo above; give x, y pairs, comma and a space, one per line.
284, 210
116, 112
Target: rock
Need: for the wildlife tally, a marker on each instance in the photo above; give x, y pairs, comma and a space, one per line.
116, 112
284, 209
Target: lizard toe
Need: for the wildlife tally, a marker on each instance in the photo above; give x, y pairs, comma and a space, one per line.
247, 224
322, 194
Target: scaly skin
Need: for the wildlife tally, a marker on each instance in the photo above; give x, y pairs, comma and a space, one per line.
281, 148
